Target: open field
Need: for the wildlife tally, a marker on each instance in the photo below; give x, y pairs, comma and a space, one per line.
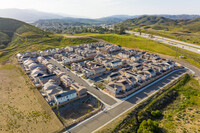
183, 115
22, 108
132, 41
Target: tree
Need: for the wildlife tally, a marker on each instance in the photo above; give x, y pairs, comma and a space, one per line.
119, 30
148, 126
156, 113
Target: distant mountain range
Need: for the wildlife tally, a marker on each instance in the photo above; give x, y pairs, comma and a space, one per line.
30, 16
27, 15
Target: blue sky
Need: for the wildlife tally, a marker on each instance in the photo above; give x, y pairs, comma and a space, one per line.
102, 8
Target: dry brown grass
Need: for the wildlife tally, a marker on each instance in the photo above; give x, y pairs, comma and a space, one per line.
21, 107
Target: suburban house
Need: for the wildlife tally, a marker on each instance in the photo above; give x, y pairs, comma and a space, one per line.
37, 72
40, 59
27, 54
19, 57
76, 67
47, 53
136, 57
144, 75
116, 63
33, 54
44, 79
28, 62
157, 67
34, 65
45, 62
81, 90
114, 88
114, 76
53, 51
165, 66
51, 88
59, 73
137, 67
124, 55
135, 75
65, 97
150, 71
51, 68
171, 64
66, 81
58, 50
87, 72
98, 69
90, 54
126, 84
65, 60
75, 58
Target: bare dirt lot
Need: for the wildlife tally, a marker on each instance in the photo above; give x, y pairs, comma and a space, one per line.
22, 109
74, 111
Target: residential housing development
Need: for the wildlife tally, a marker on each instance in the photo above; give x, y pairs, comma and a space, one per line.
120, 70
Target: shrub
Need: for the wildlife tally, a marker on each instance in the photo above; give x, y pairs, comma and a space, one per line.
156, 113
148, 126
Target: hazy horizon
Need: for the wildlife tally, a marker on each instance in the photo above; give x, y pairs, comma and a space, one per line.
104, 8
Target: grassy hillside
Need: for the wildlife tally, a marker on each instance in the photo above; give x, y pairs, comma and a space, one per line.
176, 109
149, 21
132, 41
18, 36
161, 23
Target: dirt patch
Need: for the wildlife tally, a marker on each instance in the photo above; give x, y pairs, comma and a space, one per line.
74, 111
21, 110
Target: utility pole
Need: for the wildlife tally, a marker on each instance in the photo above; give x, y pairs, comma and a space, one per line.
176, 52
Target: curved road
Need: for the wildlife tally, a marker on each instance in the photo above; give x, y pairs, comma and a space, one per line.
187, 46
105, 117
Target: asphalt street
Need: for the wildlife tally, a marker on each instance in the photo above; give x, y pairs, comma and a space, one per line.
187, 46
100, 120
103, 97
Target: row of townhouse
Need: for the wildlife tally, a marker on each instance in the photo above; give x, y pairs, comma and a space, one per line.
69, 58
108, 61
47, 77
139, 72
89, 68
86, 52
124, 84
109, 48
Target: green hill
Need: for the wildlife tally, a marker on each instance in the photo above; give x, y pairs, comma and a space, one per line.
17, 36
10, 28
161, 23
